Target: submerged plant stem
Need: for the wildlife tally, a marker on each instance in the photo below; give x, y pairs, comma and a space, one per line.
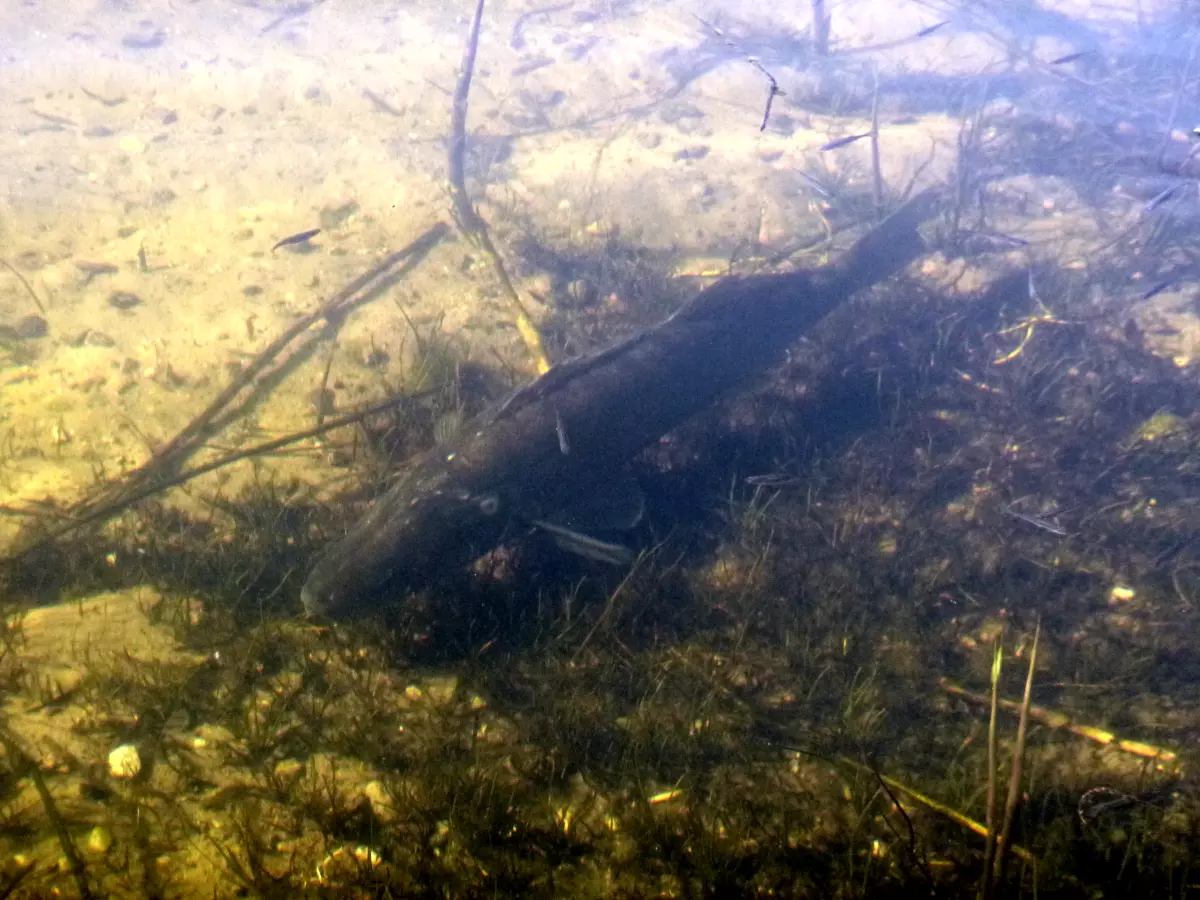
471, 223
31, 768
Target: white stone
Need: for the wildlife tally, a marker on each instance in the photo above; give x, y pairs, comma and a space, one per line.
124, 762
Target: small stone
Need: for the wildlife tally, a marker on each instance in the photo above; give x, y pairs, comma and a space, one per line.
131, 144
580, 294
376, 358
124, 762
99, 840
147, 37
32, 327
324, 401
288, 769
377, 796
124, 300
334, 216
442, 689
1120, 593
694, 152
91, 268
98, 339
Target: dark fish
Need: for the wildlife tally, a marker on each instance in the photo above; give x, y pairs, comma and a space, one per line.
300, 238
990, 239
1069, 58
381, 104
1157, 289
930, 29
1162, 197
843, 141
517, 41
509, 470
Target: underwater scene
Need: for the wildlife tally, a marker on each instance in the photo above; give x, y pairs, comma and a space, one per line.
599, 449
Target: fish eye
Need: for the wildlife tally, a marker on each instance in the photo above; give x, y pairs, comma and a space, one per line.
489, 504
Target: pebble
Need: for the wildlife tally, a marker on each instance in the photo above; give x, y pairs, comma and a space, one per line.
694, 152
124, 762
323, 401
31, 327
91, 268
131, 144
124, 300
99, 840
98, 339
147, 37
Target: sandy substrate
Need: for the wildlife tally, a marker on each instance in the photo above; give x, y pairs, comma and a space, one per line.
154, 154
157, 153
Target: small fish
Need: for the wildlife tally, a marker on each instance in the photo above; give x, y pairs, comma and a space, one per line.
301, 238
993, 239
1069, 58
585, 545
1163, 197
1038, 522
60, 121
381, 104
91, 268
814, 184
564, 444
843, 141
1157, 289
930, 29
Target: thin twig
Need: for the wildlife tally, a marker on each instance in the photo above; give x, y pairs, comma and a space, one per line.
332, 312
28, 286
126, 501
322, 392
1183, 80
938, 807
163, 469
29, 766
469, 221
773, 89
820, 25
912, 834
876, 169
989, 854
1018, 758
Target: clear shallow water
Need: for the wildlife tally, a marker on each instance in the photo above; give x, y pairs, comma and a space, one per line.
1002, 437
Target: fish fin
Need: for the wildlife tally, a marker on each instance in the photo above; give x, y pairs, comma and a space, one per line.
586, 546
